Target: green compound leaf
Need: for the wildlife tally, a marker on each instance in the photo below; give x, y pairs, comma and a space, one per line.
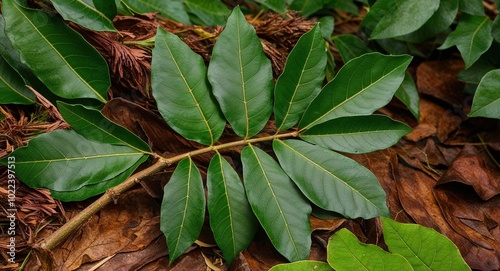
209, 12
301, 80
404, 16
302, 266
84, 14
182, 208
357, 134
346, 253
472, 37
63, 160
350, 47
173, 9
279, 206
424, 248
486, 101
182, 92
13, 89
90, 190
332, 181
58, 55
408, 94
241, 76
439, 22
231, 217
91, 124
363, 85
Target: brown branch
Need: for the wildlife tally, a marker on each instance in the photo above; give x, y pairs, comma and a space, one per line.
45, 245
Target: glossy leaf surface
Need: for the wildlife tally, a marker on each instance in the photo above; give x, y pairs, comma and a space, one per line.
241, 76
76, 69
301, 79
357, 134
486, 101
279, 206
78, 11
439, 22
332, 181
91, 124
402, 17
424, 248
472, 37
182, 208
90, 190
302, 266
63, 160
363, 85
231, 217
182, 92
173, 9
12, 86
345, 252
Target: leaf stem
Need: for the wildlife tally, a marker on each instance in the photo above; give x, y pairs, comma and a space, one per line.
112, 194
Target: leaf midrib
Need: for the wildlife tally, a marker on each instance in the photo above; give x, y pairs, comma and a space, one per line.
15, 90
328, 172
190, 90
302, 71
276, 201
353, 96
98, 95
79, 158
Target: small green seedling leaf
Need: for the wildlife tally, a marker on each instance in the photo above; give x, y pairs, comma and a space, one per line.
13, 89
302, 266
301, 80
91, 124
472, 37
63, 160
404, 17
173, 9
424, 248
182, 92
332, 181
363, 85
486, 101
231, 217
241, 76
345, 252
84, 14
279, 206
182, 208
357, 134
76, 69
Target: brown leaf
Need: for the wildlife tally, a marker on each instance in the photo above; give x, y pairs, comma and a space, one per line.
470, 168
130, 225
439, 79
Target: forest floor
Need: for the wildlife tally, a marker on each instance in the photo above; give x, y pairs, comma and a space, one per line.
443, 175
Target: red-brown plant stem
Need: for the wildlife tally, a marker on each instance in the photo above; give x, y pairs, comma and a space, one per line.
112, 194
